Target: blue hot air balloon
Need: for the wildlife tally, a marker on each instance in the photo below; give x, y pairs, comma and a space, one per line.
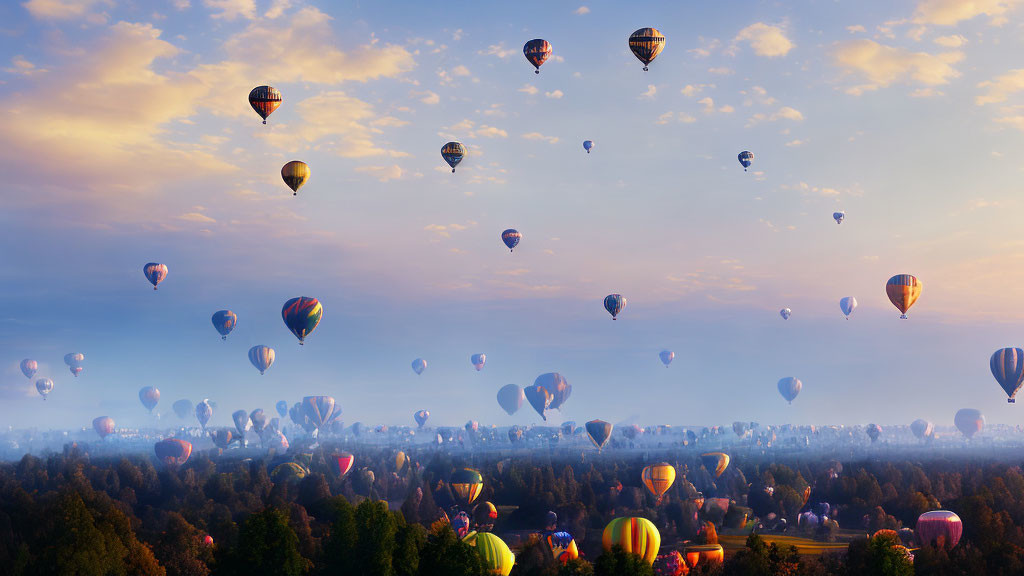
847, 305
224, 321
746, 158
282, 408
588, 145
789, 387
614, 303
1007, 367
478, 361
785, 313
261, 357
511, 238
839, 216
419, 365
453, 153
666, 357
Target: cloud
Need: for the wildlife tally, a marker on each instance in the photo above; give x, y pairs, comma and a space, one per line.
232, 9
651, 91
382, 173
197, 217
555, 94
498, 50
784, 113
67, 9
691, 90
951, 12
582, 10
766, 40
952, 41
22, 67
1013, 121
721, 71
539, 136
445, 230
880, 65
681, 117
277, 9
460, 70
485, 131
529, 89
795, 143
856, 29
1001, 88
426, 96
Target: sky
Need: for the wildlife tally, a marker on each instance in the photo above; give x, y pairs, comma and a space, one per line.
128, 139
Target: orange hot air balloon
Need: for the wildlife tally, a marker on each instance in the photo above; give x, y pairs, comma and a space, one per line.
903, 290
704, 553
658, 478
264, 100
173, 451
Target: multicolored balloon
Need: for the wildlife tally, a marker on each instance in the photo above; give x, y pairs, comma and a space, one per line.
258, 420
599, 432
635, 536
44, 386
295, 174
173, 451
149, 396
847, 305
789, 387
29, 368
510, 398
321, 410
614, 303
453, 153
478, 361
224, 321
922, 429
496, 556
511, 238
715, 462
467, 484
104, 426
666, 357
785, 313
344, 462
1007, 367
557, 385
242, 422
264, 100
903, 290
969, 421
155, 273
746, 158
419, 365
221, 437
563, 546
646, 44
537, 51
302, 315
74, 361
262, 357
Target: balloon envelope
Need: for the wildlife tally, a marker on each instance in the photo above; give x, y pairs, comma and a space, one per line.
453, 153
496, 556
242, 422
295, 174
44, 386
510, 398
478, 361
715, 462
29, 367
149, 396
104, 426
789, 387
838, 217
903, 290
847, 305
588, 145
173, 451
539, 398
1007, 367
182, 408
203, 412
658, 478
646, 44
599, 432
941, 528
785, 313
537, 52
614, 303
557, 385
264, 100
419, 365
746, 158
282, 408
969, 421
320, 410
467, 484
874, 431
922, 428
302, 315
666, 357
421, 417
635, 535
224, 321
155, 273
511, 238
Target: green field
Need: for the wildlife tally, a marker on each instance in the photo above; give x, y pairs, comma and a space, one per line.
807, 546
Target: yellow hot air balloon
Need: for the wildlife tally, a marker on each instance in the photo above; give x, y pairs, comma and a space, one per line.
400, 461
659, 478
467, 484
635, 535
295, 174
497, 557
717, 461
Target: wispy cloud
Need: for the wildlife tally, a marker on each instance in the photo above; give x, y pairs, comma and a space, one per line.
765, 39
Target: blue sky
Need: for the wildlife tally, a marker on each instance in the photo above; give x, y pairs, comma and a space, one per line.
128, 139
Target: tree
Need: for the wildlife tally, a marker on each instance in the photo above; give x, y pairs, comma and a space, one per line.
375, 542
268, 546
178, 548
409, 542
445, 555
618, 562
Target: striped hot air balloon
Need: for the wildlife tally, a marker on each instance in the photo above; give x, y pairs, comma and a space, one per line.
224, 322
295, 174
940, 528
467, 484
635, 535
262, 357
903, 290
537, 51
264, 100
614, 303
658, 478
1007, 367
302, 315
646, 44
155, 273
496, 555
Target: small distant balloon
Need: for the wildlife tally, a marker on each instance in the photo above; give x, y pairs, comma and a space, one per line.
295, 174
1007, 367
155, 273
453, 153
282, 408
789, 388
224, 321
614, 303
182, 408
29, 367
149, 396
264, 100
478, 361
969, 421
666, 357
785, 313
302, 315
419, 365
588, 145
511, 238
847, 305
510, 398
746, 158
104, 426
537, 51
421, 417
874, 431
262, 357
203, 413
74, 361
838, 217
44, 386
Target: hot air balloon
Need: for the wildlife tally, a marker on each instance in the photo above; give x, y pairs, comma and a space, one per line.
746, 158
208, 540
511, 238
149, 396
203, 412
467, 484
259, 421
666, 357
838, 216
739, 428
400, 461
282, 408
419, 365
298, 415
484, 515
74, 360
421, 417
242, 423
646, 44
903, 290
599, 432
614, 303
478, 361
558, 386
155, 273
588, 145
969, 421
539, 398
874, 431
510, 398
277, 442
1007, 366
515, 434
495, 554
264, 100
563, 546
785, 313
658, 478
104, 426
295, 174
262, 357
182, 408
671, 564
221, 437
453, 153
635, 536
320, 410
173, 451
704, 554
847, 305
301, 315
29, 367
940, 528
344, 462
290, 472
715, 462
537, 51
789, 387
922, 428
44, 386
224, 321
